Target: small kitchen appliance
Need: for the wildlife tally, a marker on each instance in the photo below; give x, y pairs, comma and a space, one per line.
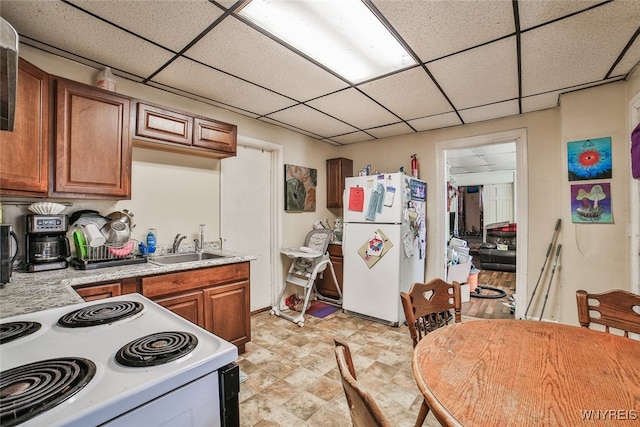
8, 252
46, 242
120, 361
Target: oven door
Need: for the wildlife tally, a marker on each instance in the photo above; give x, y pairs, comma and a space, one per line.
195, 404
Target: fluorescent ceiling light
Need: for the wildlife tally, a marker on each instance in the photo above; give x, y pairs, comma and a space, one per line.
343, 35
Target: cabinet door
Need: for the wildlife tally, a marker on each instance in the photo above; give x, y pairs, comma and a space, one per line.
227, 312
326, 286
97, 292
163, 125
337, 170
93, 142
188, 306
24, 153
214, 135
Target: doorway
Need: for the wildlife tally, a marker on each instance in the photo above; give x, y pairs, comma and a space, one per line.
250, 221
521, 201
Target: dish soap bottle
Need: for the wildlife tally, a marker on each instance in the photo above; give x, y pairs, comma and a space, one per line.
106, 80
151, 240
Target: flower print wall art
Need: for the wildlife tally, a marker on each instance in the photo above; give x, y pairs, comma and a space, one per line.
589, 159
591, 203
300, 188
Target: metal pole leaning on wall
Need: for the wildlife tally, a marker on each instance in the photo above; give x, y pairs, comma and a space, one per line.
544, 264
555, 264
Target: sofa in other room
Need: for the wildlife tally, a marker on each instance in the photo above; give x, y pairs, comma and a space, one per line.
498, 252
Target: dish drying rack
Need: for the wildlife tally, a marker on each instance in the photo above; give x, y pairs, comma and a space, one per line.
107, 255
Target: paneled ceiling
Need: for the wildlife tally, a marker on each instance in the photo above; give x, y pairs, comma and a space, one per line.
478, 60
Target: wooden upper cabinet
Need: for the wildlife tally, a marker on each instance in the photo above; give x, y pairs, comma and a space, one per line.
163, 129
92, 143
337, 170
24, 152
164, 125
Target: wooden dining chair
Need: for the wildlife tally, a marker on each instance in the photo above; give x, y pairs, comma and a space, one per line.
427, 307
616, 309
363, 408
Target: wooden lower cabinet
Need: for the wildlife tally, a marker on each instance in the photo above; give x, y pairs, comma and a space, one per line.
190, 306
215, 298
98, 291
326, 285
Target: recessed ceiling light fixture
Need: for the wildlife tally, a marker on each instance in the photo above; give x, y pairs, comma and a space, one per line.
343, 35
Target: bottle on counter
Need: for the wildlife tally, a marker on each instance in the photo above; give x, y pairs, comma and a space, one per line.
151, 240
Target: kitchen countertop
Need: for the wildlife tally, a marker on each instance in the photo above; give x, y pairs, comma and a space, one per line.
30, 292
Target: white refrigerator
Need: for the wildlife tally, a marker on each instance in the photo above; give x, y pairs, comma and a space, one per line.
383, 244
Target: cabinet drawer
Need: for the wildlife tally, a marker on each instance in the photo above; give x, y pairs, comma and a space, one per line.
172, 283
164, 125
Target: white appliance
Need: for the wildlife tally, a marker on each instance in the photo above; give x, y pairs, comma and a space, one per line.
93, 364
383, 244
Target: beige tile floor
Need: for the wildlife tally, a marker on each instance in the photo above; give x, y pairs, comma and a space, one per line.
293, 379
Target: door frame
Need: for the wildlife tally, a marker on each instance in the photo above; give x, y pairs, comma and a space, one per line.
276, 200
634, 209
521, 200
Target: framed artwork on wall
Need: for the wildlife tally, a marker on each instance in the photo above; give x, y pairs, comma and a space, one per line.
300, 188
589, 159
591, 203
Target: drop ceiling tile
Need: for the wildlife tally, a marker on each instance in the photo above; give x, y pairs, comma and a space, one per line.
488, 112
435, 122
390, 130
410, 94
479, 76
500, 159
352, 138
287, 126
193, 77
172, 24
244, 52
303, 117
541, 102
465, 162
354, 108
538, 12
552, 60
629, 60
434, 29
67, 28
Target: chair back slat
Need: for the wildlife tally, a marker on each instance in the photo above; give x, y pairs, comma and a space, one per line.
363, 409
427, 306
616, 309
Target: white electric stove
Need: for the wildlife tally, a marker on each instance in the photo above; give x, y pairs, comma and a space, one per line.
119, 361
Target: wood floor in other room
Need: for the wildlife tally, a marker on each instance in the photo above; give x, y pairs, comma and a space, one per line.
488, 308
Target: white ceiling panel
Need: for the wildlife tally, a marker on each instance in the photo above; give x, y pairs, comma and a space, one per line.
479, 76
314, 121
469, 48
170, 23
193, 77
242, 51
410, 94
390, 130
435, 122
355, 108
587, 44
533, 13
488, 112
435, 29
69, 29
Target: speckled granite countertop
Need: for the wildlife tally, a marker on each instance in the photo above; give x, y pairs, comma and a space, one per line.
30, 292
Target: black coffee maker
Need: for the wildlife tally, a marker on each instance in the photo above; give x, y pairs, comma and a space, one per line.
46, 242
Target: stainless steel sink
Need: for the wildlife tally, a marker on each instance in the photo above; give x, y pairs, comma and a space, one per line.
179, 258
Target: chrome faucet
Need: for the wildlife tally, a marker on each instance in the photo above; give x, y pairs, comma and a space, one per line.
202, 237
176, 242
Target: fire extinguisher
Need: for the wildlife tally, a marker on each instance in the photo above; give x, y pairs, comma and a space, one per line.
414, 166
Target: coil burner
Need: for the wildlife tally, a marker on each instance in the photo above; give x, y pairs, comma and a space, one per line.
13, 330
100, 314
29, 390
156, 349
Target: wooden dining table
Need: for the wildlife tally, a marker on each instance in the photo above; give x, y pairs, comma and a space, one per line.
527, 373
